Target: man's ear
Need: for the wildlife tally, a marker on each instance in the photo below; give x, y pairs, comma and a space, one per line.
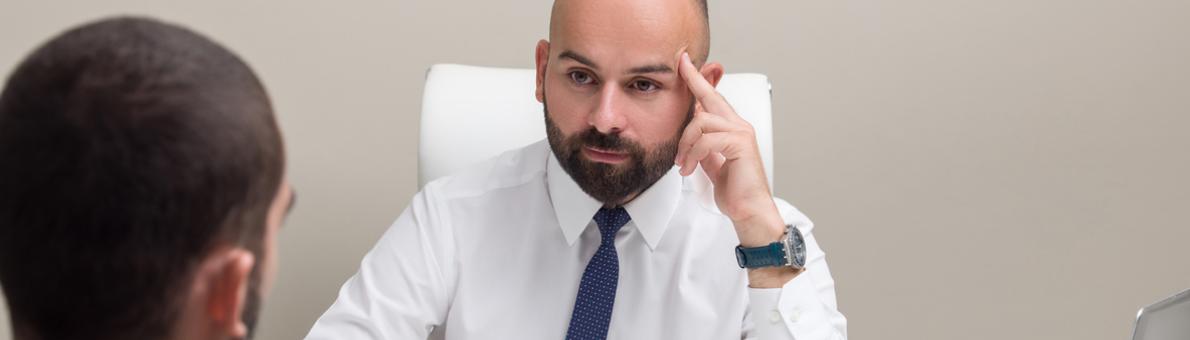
225, 276
713, 72
543, 58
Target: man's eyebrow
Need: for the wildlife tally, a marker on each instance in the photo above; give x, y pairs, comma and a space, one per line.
657, 68
579, 58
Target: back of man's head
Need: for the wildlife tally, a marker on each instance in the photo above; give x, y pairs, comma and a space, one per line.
129, 149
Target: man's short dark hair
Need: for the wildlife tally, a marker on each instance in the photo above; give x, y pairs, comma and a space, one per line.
129, 149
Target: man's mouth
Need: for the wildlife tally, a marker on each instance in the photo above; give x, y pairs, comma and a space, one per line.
604, 156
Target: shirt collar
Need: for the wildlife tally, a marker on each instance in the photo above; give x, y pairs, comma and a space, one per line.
650, 211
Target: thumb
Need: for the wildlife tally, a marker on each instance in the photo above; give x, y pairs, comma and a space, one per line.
712, 166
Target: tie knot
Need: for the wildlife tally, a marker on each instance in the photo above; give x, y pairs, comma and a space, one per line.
610, 221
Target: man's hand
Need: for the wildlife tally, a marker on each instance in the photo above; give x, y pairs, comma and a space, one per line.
725, 145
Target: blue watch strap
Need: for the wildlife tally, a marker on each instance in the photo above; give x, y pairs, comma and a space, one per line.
772, 255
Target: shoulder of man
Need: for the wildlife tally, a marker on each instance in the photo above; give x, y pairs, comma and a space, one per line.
517, 167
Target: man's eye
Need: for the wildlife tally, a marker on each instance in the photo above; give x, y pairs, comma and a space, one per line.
644, 86
580, 78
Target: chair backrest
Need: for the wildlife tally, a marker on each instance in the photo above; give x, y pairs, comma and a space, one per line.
472, 113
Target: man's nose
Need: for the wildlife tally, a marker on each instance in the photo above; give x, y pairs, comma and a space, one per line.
608, 116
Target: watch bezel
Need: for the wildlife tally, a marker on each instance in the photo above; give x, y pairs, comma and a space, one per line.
795, 247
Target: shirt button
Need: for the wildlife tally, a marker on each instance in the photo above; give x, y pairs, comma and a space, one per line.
795, 315
775, 317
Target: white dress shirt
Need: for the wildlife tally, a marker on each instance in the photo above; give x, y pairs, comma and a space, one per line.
497, 252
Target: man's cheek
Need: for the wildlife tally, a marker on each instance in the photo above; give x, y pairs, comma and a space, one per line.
567, 114
659, 129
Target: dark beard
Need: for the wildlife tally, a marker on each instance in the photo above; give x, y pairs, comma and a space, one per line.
611, 184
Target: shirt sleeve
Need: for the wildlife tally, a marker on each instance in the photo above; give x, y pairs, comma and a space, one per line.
401, 290
805, 308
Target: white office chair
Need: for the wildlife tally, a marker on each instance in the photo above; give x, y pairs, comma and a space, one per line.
472, 113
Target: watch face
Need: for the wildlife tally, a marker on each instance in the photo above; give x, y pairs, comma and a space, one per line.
797, 247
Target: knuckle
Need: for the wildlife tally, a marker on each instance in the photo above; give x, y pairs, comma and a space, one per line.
747, 129
745, 125
743, 136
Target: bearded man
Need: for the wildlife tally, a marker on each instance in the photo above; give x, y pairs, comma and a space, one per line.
594, 233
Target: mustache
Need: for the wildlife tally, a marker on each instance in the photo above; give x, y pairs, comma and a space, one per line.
610, 142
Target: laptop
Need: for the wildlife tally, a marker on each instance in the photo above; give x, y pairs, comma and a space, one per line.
1168, 319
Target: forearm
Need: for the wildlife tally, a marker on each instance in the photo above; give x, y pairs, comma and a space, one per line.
804, 308
758, 230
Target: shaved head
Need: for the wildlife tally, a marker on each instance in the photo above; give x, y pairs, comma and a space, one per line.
691, 19
615, 103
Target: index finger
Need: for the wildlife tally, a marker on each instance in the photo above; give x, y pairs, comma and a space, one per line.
703, 91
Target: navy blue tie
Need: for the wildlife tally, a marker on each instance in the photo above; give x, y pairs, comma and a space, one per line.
597, 292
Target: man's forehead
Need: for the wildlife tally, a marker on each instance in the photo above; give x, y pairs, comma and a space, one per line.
628, 31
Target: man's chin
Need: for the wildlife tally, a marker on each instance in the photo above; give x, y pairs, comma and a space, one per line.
605, 170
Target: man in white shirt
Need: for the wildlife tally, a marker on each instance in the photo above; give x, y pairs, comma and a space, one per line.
594, 233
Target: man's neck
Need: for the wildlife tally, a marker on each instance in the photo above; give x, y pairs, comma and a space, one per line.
622, 202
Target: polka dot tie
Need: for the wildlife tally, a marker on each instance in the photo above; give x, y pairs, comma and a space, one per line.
597, 291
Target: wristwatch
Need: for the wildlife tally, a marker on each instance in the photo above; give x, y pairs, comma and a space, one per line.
790, 251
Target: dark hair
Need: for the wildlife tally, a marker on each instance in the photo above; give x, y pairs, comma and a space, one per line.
129, 149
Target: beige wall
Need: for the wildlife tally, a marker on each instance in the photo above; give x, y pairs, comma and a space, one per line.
977, 169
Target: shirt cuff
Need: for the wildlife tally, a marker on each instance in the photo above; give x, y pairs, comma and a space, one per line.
791, 312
